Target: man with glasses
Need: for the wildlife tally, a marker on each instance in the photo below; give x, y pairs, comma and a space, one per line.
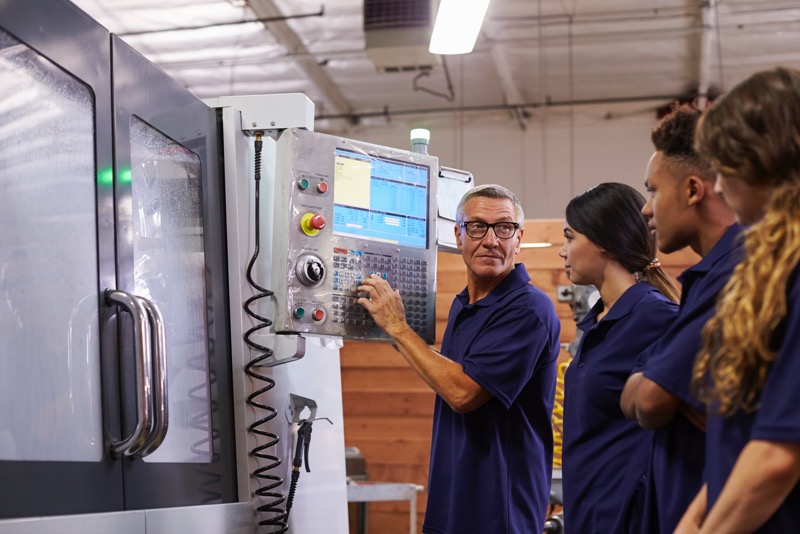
491, 453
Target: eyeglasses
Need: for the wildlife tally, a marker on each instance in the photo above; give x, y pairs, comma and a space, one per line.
478, 229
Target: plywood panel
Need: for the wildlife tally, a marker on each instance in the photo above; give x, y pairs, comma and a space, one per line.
369, 426
381, 379
388, 403
361, 354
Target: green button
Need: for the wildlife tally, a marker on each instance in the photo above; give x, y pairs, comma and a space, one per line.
303, 184
299, 313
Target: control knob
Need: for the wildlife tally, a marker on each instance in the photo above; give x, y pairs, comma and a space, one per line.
310, 270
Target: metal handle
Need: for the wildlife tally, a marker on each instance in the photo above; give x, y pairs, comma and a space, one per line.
142, 348
158, 431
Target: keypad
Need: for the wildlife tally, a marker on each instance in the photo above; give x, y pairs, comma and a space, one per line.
409, 275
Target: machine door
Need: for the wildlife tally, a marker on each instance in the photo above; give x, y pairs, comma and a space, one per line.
110, 251
170, 243
57, 339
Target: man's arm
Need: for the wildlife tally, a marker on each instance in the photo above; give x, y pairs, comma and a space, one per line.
446, 377
653, 406
764, 474
627, 401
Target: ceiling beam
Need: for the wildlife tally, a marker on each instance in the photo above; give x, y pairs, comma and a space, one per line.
301, 57
510, 90
503, 68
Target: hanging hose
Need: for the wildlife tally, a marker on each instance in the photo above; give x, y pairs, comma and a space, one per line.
301, 452
269, 483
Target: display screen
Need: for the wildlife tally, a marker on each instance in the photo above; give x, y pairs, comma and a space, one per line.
380, 199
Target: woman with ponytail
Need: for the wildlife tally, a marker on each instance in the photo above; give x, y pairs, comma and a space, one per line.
748, 367
608, 244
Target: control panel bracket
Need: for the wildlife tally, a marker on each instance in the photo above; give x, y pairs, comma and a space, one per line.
285, 348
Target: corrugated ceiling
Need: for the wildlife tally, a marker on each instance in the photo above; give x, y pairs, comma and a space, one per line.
530, 52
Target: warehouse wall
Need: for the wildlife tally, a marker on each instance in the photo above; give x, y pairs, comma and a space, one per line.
559, 154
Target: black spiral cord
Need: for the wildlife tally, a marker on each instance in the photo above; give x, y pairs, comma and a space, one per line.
269, 491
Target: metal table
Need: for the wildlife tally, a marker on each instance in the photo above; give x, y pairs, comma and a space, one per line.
362, 492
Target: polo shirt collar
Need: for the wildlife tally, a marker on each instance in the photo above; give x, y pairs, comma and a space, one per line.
726, 243
620, 309
517, 278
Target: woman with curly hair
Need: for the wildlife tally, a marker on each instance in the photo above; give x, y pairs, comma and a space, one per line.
748, 367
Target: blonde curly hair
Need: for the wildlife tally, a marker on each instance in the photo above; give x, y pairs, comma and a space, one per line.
752, 134
736, 355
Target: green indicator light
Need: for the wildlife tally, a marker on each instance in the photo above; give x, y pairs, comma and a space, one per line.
124, 176
303, 184
105, 177
299, 313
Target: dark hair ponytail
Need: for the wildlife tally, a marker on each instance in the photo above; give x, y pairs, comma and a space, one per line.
610, 216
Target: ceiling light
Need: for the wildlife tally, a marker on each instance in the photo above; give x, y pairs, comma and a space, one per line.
535, 245
458, 23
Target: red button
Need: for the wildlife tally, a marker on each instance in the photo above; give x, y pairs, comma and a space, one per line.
318, 315
322, 187
317, 222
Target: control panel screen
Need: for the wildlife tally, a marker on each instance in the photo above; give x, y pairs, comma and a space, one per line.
381, 199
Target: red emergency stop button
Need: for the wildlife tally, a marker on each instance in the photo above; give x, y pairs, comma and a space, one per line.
317, 222
312, 223
318, 315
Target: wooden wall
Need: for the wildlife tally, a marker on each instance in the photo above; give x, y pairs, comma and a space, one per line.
388, 409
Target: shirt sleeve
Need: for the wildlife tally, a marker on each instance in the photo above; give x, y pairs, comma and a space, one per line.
670, 366
504, 357
642, 357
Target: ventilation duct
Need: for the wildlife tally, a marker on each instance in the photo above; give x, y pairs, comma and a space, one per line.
398, 33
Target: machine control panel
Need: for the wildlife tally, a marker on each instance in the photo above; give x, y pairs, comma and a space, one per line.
344, 210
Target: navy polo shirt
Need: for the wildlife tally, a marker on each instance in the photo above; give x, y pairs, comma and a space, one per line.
604, 454
490, 468
777, 418
678, 455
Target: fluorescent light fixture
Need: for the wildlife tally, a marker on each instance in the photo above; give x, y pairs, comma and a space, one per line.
535, 245
458, 23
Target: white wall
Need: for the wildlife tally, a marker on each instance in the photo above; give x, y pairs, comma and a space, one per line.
558, 155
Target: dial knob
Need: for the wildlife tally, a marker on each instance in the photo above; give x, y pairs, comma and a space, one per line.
310, 270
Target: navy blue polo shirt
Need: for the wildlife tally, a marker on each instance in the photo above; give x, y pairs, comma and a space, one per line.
678, 455
777, 418
490, 468
604, 454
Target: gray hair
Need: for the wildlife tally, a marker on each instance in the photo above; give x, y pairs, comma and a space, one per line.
491, 191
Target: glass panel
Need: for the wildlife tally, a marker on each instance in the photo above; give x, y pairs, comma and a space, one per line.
169, 269
49, 349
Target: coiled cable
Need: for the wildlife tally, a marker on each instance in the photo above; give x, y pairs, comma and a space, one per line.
270, 483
